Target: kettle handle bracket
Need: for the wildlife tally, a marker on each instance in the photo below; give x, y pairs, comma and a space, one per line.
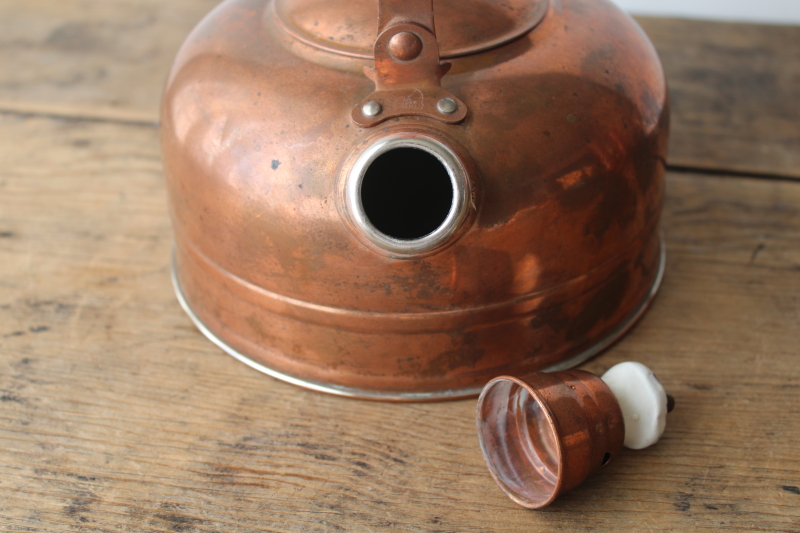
408, 71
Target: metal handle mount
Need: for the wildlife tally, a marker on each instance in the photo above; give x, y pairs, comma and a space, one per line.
408, 72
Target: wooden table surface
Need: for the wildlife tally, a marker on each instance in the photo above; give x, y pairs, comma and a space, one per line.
116, 414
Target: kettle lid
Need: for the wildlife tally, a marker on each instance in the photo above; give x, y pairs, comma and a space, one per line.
348, 27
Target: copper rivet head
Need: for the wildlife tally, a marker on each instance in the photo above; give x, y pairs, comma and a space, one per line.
405, 46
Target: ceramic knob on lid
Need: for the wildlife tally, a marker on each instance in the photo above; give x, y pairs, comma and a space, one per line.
546, 433
643, 401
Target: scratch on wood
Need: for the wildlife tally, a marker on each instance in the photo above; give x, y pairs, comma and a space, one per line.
683, 502
758, 248
179, 523
80, 505
8, 396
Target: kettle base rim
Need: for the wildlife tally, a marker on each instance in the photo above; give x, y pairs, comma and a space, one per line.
430, 396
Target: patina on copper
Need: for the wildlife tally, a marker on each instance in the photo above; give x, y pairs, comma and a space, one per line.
544, 434
546, 182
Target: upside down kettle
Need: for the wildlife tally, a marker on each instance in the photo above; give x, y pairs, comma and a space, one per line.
375, 202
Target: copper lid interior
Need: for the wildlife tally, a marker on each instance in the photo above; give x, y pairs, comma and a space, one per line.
518, 438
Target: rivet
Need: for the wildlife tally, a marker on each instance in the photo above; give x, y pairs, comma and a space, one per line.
371, 109
447, 106
405, 46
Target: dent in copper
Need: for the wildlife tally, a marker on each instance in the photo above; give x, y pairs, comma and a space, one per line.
564, 142
544, 434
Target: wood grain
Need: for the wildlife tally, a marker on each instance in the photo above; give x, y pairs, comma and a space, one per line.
92, 58
735, 94
117, 415
734, 87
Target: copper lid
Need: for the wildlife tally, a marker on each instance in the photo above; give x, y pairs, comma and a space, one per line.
347, 27
546, 433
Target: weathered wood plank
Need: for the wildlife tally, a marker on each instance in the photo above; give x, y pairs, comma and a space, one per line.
735, 94
117, 415
93, 58
735, 87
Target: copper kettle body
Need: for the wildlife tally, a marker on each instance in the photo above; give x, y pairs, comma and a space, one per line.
372, 202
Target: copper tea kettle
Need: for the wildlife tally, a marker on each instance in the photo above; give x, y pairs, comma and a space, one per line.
405, 210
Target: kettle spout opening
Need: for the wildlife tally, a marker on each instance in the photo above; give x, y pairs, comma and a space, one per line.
407, 194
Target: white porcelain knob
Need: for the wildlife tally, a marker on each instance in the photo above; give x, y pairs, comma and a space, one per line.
643, 402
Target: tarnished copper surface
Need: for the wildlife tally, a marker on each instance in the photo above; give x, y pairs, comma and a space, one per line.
545, 433
557, 250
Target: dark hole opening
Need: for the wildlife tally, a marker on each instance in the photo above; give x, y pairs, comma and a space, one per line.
406, 193
606, 457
